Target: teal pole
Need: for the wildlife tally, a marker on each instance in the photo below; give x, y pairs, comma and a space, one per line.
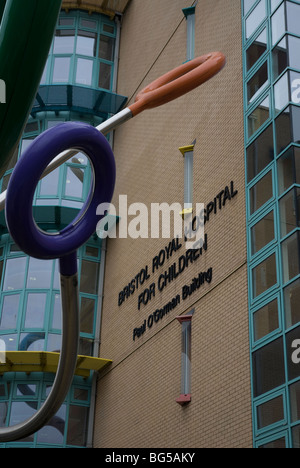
26, 33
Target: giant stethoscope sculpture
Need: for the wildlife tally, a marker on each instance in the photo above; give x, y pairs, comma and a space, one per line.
38, 161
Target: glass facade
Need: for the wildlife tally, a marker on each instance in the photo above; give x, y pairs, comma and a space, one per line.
82, 53
271, 70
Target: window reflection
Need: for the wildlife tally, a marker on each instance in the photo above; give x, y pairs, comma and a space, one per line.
247, 5
87, 314
89, 277
261, 192
53, 431
54, 343
56, 320
84, 71
262, 233
264, 276
270, 412
35, 310
291, 303
34, 341
268, 367
61, 69
289, 207
86, 43
290, 257
14, 274
278, 24
293, 17
49, 184
266, 320
257, 83
9, 314
274, 4
77, 425
255, 18
105, 76
260, 153
20, 411
287, 127
64, 41
287, 89
106, 47
259, 116
256, 49
74, 182
39, 273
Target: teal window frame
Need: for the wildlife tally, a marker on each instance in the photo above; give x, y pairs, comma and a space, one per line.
77, 16
262, 401
46, 331
42, 382
283, 428
274, 333
273, 438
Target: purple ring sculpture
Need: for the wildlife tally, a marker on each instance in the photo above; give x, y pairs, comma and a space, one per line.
63, 245
24, 180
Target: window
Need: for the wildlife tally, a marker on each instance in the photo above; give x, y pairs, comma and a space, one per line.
87, 43
258, 83
9, 314
291, 303
260, 153
89, 277
105, 75
256, 49
84, 71
285, 55
289, 207
35, 310
261, 192
61, 69
278, 24
278, 443
270, 412
265, 320
87, 314
295, 401
287, 126
288, 169
82, 52
264, 276
14, 274
39, 273
259, 116
262, 233
248, 5
290, 257
268, 367
255, 18
287, 89
64, 41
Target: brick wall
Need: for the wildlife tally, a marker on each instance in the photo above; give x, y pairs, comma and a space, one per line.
136, 396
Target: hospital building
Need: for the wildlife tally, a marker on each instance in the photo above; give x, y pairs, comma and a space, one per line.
179, 347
